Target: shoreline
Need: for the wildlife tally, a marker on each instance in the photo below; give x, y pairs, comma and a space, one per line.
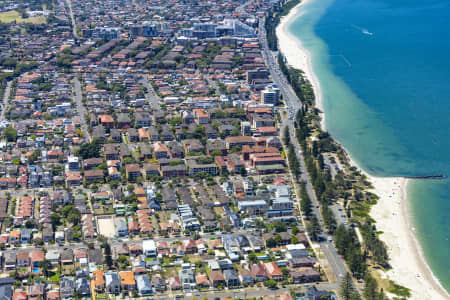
292, 47
393, 217
391, 213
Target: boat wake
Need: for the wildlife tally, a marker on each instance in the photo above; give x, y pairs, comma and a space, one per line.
363, 30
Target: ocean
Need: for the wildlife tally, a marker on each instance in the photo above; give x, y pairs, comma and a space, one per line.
384, 71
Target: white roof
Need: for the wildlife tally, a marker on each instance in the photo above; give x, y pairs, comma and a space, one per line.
299, 246
148, 245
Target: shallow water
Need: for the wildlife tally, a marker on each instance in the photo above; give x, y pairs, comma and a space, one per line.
384, 70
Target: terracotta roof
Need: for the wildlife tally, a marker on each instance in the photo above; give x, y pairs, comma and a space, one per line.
127, 278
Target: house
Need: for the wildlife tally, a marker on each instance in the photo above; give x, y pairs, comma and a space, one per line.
202, 281
66, 257
121, 227
112, 283
312, 293
9, 260
94, 176
52, 256
98, 282
246, 277
111, 152
176, 151
160, 150
36, 291
217, 279
201, 116
299, 262
53, 295
106, 121
149, 248
143, 136
192, 146
174, 284
82, 287
95, 256
232, 141
144, 286
25, 236
73, 179
66, 287
296, 251
197, 166
231, 247
231, 278
150, 169
36, 258
274, 271
153, 133
91, 163
123, 120
133, 135
143, 119
18, 295
190, 246
254, 207
187, 278
23, 258
133, 171
173, 171
259, 272
127, 281
158, 283
14, 237
305, 274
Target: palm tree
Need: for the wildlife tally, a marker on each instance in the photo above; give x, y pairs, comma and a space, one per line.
45, 266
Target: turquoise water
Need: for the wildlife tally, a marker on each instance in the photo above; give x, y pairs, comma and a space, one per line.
384, 70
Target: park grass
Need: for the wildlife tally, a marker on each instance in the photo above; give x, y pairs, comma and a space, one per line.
11, 16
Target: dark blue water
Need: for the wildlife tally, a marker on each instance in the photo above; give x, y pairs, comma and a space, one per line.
384, 68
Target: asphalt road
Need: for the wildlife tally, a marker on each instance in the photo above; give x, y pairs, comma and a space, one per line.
293, 104
74, 26
5, 103
252, 292
81, 110
151, 95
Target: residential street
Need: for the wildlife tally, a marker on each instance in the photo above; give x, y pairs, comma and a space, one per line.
78, 97
74, 27
151, 95
5, 102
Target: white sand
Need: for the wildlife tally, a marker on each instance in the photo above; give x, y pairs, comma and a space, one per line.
296, 55
408, 264
409, 268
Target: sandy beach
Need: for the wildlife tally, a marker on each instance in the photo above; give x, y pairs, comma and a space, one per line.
296, 55
393, 219
409, 268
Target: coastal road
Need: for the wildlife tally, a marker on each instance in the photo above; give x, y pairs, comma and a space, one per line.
293, 104
72, 18
5, 103
78, 97
290, 98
